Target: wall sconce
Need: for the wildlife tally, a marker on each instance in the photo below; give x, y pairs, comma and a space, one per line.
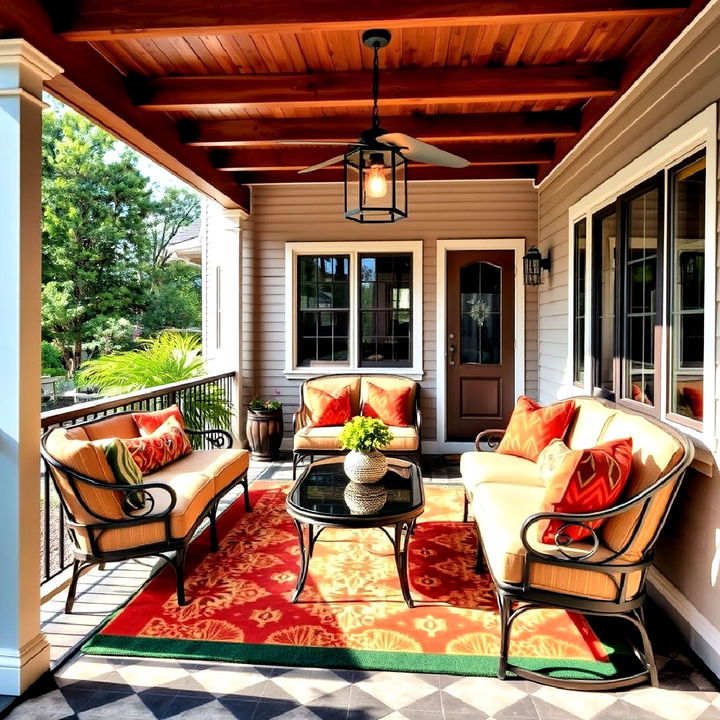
533, 265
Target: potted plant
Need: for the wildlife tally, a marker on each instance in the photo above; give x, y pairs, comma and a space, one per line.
362, 436
264, 427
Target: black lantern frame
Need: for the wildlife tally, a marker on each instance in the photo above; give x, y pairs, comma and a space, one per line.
533, 265
360, 205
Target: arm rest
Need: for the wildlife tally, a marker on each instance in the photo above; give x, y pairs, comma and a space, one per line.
490, 437
215, 437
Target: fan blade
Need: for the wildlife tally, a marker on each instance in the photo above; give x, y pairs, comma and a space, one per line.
421, 152
315, 142
331, 161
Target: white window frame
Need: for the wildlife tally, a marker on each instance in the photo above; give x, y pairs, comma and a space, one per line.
698, 133
293, 250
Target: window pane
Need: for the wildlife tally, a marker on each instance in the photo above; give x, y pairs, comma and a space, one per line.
606, 302
385, 282
323, 305
480, 293
579, 260
641, 288
687, 311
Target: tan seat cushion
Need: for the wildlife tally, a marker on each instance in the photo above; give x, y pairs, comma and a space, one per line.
194, 493
326, 438
223, 466
120, 426
483, 467
591, 418
499, 510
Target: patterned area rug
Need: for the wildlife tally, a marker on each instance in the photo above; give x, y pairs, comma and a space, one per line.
351, 613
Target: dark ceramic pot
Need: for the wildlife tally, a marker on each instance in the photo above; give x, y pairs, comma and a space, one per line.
264, 430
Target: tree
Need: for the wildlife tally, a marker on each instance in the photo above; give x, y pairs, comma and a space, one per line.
95, 238
175, 299
175, 210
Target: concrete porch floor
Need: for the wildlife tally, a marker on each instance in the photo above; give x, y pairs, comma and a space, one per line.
93, 688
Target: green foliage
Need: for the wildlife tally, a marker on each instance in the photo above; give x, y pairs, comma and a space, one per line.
175, 210
258, 403
51, 359
170, 357
364, 434
175, 299
111, 335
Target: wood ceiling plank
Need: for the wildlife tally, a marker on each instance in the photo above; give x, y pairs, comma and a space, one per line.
352, 89
279, 159
433, 128
90, 20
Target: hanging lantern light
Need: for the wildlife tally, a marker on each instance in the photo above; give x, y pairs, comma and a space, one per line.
533, 265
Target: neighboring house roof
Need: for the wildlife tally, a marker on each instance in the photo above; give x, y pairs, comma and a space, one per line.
185, 244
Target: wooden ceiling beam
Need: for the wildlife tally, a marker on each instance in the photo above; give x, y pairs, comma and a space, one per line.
421, 172
352, 89
104, 20
430, 128
279, 159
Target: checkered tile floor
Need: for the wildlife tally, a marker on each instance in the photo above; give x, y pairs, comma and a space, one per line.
95, 688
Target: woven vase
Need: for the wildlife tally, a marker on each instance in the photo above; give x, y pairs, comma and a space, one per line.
365, 467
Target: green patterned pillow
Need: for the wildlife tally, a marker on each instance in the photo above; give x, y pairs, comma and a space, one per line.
124, 469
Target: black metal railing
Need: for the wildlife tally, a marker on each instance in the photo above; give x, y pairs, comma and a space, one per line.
55, 550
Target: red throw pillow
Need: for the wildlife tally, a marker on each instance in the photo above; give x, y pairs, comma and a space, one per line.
532, 427
388, 405
694, 398
584, 481
326, 409
151, 452
149, 422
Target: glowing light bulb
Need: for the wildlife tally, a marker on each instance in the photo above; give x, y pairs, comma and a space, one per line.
376, 184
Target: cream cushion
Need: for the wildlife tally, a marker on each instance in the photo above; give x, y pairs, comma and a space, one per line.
489, 467
590, 420
326, 438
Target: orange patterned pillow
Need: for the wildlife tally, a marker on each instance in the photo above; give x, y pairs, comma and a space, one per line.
388, 405
151, 452
149, 422
582, 481
326, 409
532, 427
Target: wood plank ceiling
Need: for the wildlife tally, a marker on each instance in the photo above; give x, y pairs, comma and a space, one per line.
210, 89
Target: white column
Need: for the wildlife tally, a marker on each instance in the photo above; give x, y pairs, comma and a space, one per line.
222, 298
24, 652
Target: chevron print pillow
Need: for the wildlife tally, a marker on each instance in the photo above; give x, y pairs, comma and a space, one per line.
151, 452
579, 481
532, 427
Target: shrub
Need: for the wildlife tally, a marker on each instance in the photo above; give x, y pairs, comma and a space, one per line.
364, 434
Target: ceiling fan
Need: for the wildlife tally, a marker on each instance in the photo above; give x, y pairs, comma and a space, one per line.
377, 140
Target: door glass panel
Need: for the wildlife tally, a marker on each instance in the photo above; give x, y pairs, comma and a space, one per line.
480, 313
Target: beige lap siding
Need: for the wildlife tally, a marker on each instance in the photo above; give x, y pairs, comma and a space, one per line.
500, 510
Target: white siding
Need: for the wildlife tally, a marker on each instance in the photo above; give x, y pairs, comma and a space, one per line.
280, 214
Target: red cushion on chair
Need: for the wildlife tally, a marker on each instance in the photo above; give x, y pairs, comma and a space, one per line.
327, 409
388, 405
532, 427
694, 398
583, 481
149, 422
151, 452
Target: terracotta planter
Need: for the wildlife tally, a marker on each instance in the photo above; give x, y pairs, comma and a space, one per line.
264, 430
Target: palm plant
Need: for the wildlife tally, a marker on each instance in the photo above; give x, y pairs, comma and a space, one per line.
168, 358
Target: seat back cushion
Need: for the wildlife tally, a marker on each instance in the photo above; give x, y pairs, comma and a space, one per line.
532, 427
655, 453
149, 422
120, 426
393, 385
327, 408
590, 420
67, 446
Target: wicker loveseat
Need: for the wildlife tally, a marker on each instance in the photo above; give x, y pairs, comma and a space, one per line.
174, 499
604, 574
309, 440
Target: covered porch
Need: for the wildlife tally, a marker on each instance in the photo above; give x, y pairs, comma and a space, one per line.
561, 113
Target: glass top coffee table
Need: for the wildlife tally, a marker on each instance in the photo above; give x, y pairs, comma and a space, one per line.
324, 497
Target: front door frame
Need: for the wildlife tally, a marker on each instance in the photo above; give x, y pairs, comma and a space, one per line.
517, 245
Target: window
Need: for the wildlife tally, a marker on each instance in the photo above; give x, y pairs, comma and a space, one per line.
604, 256
353, 309
579, 247
218, 307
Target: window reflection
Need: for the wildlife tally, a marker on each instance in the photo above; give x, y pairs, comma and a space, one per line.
480, 317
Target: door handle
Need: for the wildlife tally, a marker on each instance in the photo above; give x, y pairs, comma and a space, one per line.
451, 348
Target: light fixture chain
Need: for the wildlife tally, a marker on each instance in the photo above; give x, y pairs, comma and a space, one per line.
376, 87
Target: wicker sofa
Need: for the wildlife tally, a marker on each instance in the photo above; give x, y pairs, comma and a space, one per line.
309, 441
176, 498
604, 574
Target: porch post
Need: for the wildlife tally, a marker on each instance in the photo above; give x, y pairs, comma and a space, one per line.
24, 652
222, 299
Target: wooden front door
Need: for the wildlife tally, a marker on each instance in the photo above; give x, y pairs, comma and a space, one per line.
480, 341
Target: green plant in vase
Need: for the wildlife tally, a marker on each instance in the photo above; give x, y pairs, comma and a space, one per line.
363, 436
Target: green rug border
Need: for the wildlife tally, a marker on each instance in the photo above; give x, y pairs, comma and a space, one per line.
100, 644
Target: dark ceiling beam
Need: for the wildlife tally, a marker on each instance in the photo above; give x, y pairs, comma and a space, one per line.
430, 128
103, 20
352, 89
278, 159
96, 89
421, 172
